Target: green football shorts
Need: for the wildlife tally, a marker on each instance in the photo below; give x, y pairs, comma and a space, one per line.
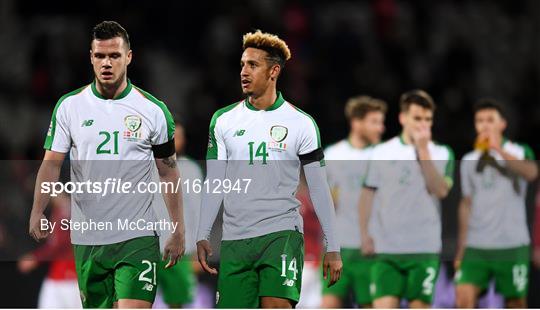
269, 265
178, 283
124, 270
355, 277
409, 276
508, 267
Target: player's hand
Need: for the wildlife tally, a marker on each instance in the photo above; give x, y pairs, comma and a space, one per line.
332, 267
174, 249
27, 263
495, 142
35, 227
203, 251
421, 138
368, 246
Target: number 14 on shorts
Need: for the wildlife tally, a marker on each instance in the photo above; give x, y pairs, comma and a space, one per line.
292, 267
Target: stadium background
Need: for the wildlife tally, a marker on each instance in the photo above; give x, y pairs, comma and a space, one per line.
187, 54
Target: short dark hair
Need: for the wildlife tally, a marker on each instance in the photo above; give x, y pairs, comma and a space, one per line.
110, 29
489, 104
418, 97
358, 107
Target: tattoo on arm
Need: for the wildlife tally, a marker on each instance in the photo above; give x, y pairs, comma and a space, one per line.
169, 162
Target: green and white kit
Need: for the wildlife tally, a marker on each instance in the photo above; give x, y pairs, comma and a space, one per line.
112, 139
497, 234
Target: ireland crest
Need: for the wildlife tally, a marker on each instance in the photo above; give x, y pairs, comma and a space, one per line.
278, 133
132, 122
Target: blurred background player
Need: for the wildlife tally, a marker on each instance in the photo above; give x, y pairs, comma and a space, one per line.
265, 139
178, 284
347, 162
59, 289
409, 175
493, 240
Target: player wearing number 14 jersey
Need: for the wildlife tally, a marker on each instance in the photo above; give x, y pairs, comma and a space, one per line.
268, 140
112, 130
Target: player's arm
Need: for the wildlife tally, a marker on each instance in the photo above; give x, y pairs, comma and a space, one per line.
216, 167
311, 156
49, 172
464, 213
323, 205
162, 141
526, 168
365, 205
436, 183
169, 173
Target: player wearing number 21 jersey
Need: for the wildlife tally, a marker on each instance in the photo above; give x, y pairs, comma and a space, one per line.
113, 131
267, 140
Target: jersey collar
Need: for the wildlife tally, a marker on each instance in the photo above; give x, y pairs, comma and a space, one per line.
122, 95
279, 101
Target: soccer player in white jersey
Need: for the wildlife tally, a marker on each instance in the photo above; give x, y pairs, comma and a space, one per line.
494, 240
407, 176
347, 163
112, 131
265, 139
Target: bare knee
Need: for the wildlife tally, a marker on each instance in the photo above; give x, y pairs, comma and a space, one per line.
330, 301
275, 302
133, 304
386, 302
516, 303
466, 295
418, 304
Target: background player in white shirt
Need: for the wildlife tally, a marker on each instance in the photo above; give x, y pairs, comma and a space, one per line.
112, 130
407, 176
347, 163
267, 140
493, 241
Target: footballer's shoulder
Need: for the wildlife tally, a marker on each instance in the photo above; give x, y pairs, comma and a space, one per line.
472, 155
520, 150
334, 147
70, 95
444, 150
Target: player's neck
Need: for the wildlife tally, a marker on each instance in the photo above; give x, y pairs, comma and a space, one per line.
265, 100
113, 91
357, 141
405, 138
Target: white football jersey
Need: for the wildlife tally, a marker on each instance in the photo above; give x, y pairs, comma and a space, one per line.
109, 139
498, 217
406, 217
346, 167
262, 146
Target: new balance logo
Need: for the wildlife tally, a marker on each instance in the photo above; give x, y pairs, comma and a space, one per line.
87, 123
239, 133
148, 287
288, 282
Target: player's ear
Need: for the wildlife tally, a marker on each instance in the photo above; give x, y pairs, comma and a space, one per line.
402, 118
91, 58
129, 55
503, 125
274, 71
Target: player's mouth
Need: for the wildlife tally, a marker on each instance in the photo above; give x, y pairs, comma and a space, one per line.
107, 75
245, 83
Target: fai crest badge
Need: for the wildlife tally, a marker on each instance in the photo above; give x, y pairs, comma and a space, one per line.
278, 133
133, 122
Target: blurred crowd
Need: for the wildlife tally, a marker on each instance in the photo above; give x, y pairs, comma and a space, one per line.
187, 54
